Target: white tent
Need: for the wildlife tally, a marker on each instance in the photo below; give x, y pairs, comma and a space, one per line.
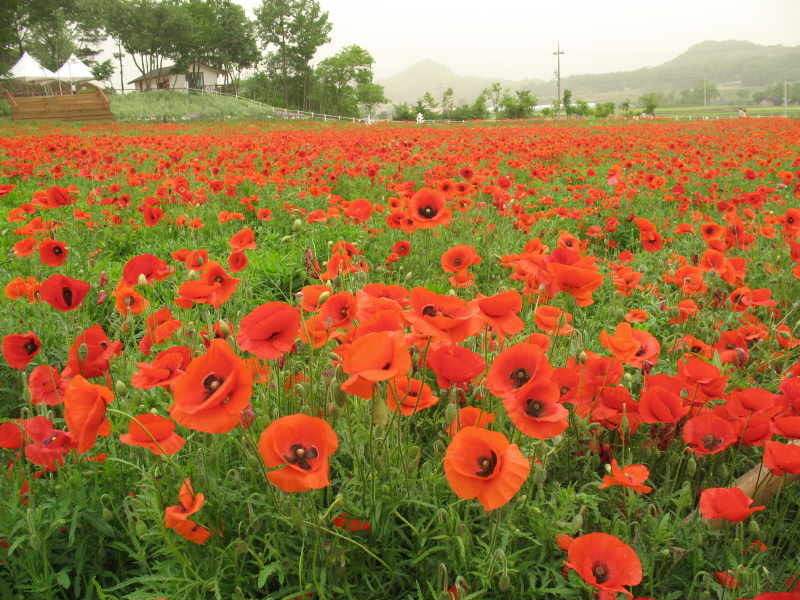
74, 70
28, 68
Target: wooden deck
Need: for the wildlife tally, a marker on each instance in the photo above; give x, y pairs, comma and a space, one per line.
78, 107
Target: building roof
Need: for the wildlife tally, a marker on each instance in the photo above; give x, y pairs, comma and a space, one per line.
167, 70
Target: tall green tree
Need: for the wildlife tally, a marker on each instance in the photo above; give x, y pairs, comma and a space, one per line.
566, 102
341, 76
369, 95
518, 106
650, 102
447, 102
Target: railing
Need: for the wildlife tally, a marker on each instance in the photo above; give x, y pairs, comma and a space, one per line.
10, 97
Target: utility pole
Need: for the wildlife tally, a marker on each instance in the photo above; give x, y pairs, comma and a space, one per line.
558, 77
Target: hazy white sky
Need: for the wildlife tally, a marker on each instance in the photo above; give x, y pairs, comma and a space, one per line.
514, 39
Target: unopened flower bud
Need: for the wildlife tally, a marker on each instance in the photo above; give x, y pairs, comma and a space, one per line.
83, 352
450, 413
297, 517
107, 514
286, 238
691, 467
408, 276
323, 297
340, 398
753, 528
504, 583
576, 525
141, 529
224, 329
335, 412
120, 389
142, 279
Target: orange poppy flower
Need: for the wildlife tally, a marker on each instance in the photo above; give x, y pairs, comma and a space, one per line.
23, 288
340, 308
373, 357
213, 391
53, 253
214, 288
165, 369
630, 476
245, 239
25, 247
176, 517
402, 248
709, 434
661, 405
303, 445
85, 411
637, 315
312, 294
482, 464
128, 300
153, 432
500, 312
605, 562
459, 258
553, 320
46, 385
514, 367
409, 395
454, 364
427, 208
443, 318
237, 262
469, 416
63, 293
578, 281
19, 349
269, 330
731, 504
536, 409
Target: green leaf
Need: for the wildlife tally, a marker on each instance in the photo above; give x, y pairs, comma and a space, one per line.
63, 578
265, 572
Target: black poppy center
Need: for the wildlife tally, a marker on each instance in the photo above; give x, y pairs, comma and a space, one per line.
66, 293
600, 572
58, 251
211, 383
299, 455
30, 347
640, 351
710, 442
519, 377
429, 310
486, 464
428, 212
218, 279
457, 261
535, 408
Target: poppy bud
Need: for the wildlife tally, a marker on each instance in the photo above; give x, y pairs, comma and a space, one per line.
581, 358
101, 297
539, 475
409, 275
26, 393
450, 413
224, 329
784, 334
439, 447
627, 378
504, 583
340, 397
192, 276
142, 279
107, 515
608, 468
103, 279
83, 352
576, 525
691, 467
297, 517
241, 546
327, 378
377, 464
286, 238
141, 529
337, 282
736, 545
305, 410
322, 298
380, 411
753, 528
120, 389
297, 225
684, 393
335, 412
723, 472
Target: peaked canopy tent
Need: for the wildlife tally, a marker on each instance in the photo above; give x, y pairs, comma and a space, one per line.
28, 68
74, 70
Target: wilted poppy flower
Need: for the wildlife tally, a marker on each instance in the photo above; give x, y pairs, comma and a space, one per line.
153, 432
536, 409
85, 411
213, 391
63, 293
605, 562
19, 349
269, 330
176, 517
49, 445
409, 395
482, 464
53, 253
630, 476
731, 504
303, 445
514, 367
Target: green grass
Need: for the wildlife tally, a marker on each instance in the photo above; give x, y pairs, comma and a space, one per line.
177, 105
726, 111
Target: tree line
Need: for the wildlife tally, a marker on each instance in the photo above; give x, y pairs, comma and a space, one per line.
278, 46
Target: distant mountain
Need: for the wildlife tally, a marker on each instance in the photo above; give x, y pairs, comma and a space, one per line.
431, 76
728, 63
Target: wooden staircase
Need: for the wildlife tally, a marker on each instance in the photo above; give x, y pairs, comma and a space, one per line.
78, 107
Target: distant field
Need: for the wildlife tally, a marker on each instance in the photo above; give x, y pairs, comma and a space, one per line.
726, 111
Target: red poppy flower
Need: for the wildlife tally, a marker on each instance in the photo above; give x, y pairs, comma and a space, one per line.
53, 253
709, 434
269, 330
237, 262
514, 367
454, 364
459, 258
152, 267
312, 297
373, 357
213, 391
536, 409
482, 464
470, 416
553, 320
630, 476
85, 411
12, 435
63, 293
19, 349
605, 562
303, 445
731, 504
500, 312
176, 517
409, 395
443, 318
153, 432
128, 300
245, 239
402, 248
49, 445
577, 280
428, 209
349, 524
214, 288
46, 385
660, 405
782, 458
91, 353
165, 369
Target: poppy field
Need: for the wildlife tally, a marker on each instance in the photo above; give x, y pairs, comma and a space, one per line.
270, 360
